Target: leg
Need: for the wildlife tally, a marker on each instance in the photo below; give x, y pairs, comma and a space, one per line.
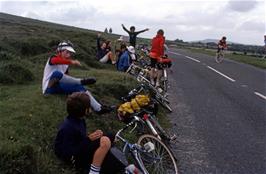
159, 75
96, 106
100, 154
152, 75
152, 72
98, 157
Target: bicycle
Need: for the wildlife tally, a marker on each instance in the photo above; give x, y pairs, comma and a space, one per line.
219, 56
159, 96
148, 152
164, 64
135, 69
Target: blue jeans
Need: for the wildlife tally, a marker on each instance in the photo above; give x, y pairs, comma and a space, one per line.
66, 87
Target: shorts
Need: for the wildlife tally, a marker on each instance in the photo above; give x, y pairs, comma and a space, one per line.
104, 59
219, 49
153, 62
85, 156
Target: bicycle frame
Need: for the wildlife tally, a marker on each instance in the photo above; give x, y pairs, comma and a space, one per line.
219, 56
134, 149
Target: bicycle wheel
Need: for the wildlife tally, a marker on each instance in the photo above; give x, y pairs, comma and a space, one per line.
165, 85
163, 134
164, 102
219, 57
165, 163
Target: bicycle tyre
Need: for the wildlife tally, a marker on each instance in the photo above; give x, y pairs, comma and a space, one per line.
164, 103
163, 134
165, 85
166, 164
219, 57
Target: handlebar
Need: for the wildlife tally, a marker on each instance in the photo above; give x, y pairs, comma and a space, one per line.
134, 121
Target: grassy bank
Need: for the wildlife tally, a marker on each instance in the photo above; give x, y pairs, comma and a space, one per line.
29, 120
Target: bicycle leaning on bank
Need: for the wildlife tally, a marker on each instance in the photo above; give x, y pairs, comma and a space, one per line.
150, 155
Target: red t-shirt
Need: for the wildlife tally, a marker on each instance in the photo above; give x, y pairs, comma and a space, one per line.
58, 60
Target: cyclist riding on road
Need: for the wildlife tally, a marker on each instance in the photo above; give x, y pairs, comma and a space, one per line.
221, 44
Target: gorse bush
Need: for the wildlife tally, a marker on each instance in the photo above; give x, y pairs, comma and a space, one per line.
14, 73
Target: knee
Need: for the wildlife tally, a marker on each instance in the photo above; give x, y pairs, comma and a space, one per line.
105, 143
57, 74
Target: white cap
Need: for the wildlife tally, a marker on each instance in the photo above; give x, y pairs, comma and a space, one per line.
66, 45
69, 48
131, 49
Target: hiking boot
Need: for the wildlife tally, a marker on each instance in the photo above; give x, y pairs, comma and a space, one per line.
88, 81
106, 109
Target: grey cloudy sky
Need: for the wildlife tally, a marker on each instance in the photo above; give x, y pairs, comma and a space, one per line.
242, 21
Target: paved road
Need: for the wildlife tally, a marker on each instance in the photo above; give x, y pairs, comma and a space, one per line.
219, 115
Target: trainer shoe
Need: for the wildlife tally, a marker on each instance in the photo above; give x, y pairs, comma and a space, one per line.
106, 109
88, 81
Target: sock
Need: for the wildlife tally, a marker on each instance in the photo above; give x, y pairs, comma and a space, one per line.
152, 81
95, 105
69, 79
94, 169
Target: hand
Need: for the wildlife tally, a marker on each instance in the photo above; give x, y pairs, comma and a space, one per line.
95, 135
147, 29
123, 25
99, 34
76, 62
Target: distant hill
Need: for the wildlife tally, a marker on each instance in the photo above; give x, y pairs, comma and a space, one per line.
212, 40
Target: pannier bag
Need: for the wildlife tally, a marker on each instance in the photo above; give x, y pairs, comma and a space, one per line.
133, 106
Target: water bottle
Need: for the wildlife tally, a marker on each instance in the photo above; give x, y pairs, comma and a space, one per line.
132, 169
149, 146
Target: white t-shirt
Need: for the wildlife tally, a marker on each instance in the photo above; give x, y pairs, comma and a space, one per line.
48, 71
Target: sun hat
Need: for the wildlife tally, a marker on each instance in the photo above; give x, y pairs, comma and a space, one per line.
131, 49
66, 45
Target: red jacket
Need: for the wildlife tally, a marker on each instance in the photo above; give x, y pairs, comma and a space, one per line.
157, 46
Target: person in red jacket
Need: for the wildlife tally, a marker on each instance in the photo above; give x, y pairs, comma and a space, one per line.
156, 52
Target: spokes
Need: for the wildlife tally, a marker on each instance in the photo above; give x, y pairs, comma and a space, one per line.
164, 162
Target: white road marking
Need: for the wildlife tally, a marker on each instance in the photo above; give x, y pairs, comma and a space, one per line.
174, 53
221, 74
192, 59
185, 56
260, 95
244, 86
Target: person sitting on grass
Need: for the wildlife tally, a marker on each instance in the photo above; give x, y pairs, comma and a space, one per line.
73, 144
57, 81
104, 53
128, 55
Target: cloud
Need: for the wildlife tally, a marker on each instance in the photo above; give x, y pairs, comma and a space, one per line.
254, 26
242, 5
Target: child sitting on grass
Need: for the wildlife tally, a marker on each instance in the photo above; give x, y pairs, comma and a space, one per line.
73, 143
